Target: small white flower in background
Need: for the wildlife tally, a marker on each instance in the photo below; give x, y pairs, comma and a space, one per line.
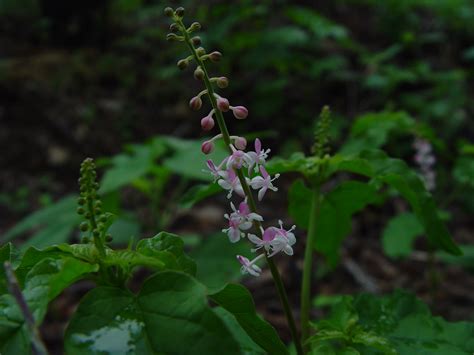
425, 160
263, 183
249, 267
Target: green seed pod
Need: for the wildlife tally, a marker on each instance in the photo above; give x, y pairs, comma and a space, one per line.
87, 215
196, 40
199, 74
168, 12
103, 218
96, 233
81, 201
84, 227
85, 240
108, 238
222, 82
80, 211
173, 37
183, 64
179, 12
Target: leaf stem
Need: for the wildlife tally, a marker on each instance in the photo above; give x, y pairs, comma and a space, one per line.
250, 199
308, 263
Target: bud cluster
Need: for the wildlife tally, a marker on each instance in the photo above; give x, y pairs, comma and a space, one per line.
90, 205
241, 171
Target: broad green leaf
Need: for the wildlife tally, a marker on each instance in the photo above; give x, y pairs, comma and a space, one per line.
216, 262
247, 345
56, 222
188, 160
169, 315
166, 243
43, 283
237, 300
399, 235
395, 173
411, 328
333, 223
198, 193
372, 130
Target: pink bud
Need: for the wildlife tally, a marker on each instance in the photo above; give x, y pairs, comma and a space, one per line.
223, 104
207, 147
195, 103
222, 82
240, 112
215, 56
207, 123
240, 143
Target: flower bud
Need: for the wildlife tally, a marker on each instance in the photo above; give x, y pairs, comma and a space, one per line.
215, 56
200, 51
207, 123
222, 82
195, 26
173, 37
199, 74
168, 12
183, 64
196, 40
240, 112
223, 104
207, 147
174, 27
195, 103
240, 143
179, 12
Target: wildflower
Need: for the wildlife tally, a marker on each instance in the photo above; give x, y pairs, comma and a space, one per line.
223, 104
275, 240
257, 158
237, 159
245, 213
249, 267
216, 172
207, 147
231, 182
207, 123
425, 160
263, 183
195, 103
240, 142
236, 226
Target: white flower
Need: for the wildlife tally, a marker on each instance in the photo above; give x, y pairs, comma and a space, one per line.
263, 183
249, 267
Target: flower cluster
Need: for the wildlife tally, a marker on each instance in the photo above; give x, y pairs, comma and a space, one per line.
241, 171
425, 160
240, 221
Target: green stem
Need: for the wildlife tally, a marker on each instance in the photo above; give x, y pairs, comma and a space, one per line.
250, 200
308, 263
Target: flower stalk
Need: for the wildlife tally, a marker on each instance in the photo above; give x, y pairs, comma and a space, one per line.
235, 162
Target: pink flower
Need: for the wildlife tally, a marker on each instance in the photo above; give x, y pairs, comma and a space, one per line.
257, 158
263, 183
223, 104
195, 103
236, 226
216, 172
275, 240
249, 267
207, 123
240, 143
237, 159
232, 183
245, 213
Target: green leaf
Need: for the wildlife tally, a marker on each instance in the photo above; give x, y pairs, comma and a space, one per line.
395, 173
187, 159
399, 235
198, 193
237, 300
169, 315
247, 345
333, 223
372, 130
167, 244
216, 262
56, 222
466, 260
